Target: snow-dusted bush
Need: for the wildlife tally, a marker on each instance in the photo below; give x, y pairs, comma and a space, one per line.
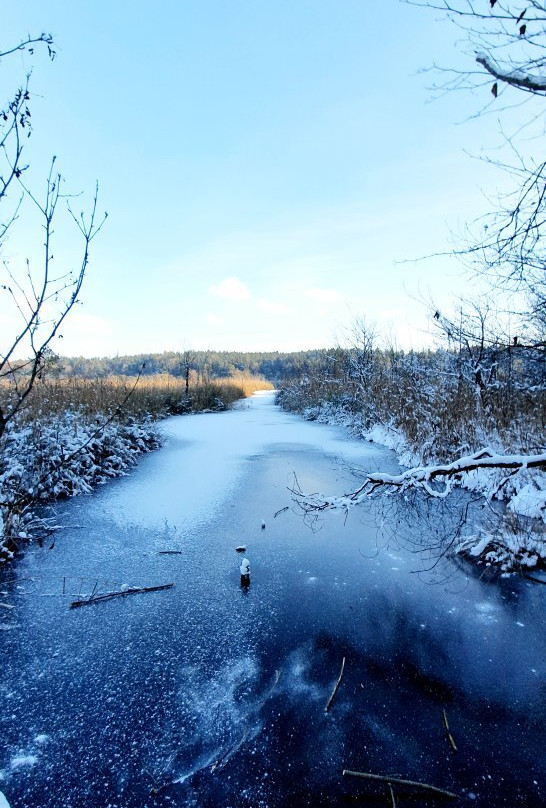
509, 551
57, 457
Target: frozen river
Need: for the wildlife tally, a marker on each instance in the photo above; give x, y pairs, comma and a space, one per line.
207, 694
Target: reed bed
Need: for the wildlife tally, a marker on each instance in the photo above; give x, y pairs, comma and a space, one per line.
135, 397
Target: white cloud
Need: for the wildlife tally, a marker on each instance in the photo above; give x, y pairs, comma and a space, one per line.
213, 319
231, 289
272, 308
323, 295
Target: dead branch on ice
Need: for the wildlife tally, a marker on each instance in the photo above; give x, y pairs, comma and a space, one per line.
448, 733
532, 578
130, 591
393, 798
337, 684
398, 781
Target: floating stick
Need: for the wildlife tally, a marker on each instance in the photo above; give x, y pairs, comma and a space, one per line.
393, 798
334, 691
448, 733
133, 591
397, 780
536, 580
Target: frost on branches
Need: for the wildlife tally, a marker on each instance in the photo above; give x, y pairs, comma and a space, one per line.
518, 479
427, 435
58, 457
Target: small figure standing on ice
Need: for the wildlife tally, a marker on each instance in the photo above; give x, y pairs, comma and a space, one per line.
245, 572
263, 524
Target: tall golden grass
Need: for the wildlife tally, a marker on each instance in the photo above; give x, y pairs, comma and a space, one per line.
155, 395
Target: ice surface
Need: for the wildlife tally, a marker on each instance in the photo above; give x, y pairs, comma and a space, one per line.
231, 438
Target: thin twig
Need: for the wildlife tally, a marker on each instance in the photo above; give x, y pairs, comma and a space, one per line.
132, 591
536, 580
334, 691
393, 798
448, 733
382, 779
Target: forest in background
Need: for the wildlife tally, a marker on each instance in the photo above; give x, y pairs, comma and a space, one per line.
271, 365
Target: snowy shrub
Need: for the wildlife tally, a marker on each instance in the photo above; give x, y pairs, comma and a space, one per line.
58, 457
509, 551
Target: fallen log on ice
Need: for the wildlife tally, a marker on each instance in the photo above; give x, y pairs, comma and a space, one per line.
134, 590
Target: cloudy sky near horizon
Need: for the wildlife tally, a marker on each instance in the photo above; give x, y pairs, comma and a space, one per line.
268, 168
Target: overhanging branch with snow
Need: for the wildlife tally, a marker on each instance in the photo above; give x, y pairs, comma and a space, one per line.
517, 78
435, 480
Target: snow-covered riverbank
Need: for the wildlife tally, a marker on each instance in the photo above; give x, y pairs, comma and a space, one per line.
60, 457
514, 542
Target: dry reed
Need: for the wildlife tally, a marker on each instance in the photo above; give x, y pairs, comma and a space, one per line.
154, 395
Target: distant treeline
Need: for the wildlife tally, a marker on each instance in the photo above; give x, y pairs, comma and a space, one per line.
273, 366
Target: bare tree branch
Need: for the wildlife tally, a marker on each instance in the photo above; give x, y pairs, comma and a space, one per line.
421, 479
524, 81
42, 299
27, 44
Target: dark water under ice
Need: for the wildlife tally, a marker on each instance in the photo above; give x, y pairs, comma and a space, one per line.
208, 694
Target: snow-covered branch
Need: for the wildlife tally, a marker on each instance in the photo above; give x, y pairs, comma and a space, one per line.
517, 78
425, 479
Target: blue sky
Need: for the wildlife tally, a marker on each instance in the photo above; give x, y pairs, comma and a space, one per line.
267, 167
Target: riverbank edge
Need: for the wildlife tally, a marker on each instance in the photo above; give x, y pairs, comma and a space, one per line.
509, 548
45, 458
57, 458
